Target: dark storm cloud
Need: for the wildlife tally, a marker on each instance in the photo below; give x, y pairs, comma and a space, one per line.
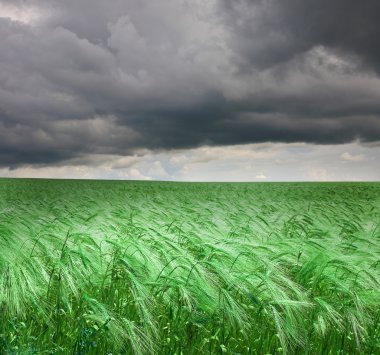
96, 77
270, 32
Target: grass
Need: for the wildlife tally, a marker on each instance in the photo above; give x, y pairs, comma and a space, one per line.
101, 267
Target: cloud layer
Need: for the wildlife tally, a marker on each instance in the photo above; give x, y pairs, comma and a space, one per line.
248, 162
90, 77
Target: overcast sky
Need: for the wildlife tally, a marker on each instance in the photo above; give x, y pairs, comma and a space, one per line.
236, 90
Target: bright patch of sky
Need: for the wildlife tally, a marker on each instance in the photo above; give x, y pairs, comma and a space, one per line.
251, 162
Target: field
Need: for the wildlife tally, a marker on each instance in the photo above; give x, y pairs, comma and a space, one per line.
101, 267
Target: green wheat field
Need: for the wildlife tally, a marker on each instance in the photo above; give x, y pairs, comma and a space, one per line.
129, 267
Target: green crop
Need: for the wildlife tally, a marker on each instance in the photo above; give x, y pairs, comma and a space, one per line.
101, 267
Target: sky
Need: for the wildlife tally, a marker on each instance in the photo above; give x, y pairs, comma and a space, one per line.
190, 90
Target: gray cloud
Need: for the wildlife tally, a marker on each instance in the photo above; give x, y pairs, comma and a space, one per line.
248, 162
95, 77
270, 32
